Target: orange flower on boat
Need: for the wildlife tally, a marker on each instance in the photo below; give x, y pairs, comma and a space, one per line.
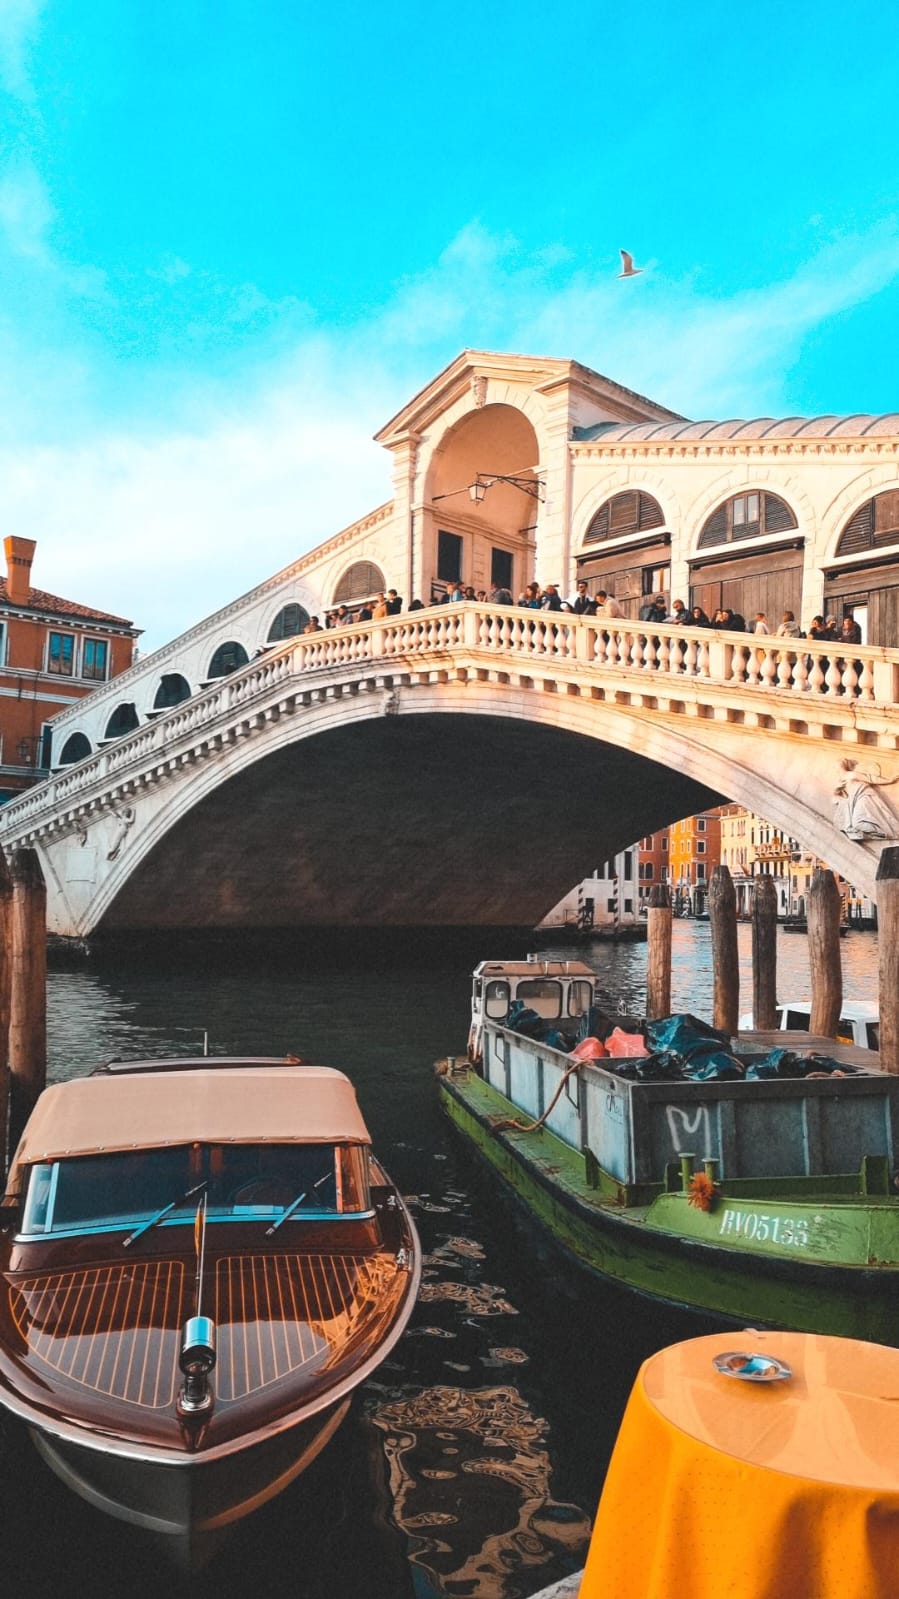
701, 1191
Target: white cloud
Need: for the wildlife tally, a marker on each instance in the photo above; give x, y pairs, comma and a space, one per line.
19, 20
25, 210
165, 521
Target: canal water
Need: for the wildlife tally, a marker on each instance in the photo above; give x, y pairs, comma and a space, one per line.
472, 1464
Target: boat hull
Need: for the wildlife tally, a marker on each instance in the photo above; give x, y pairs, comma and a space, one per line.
185, 1504
736, 1281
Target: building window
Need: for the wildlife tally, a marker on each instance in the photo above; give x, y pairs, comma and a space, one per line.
655, 580
173, 688
124, 719
745, 517
449, 557
288, 623
700, 824
665, 842
700, 870
95, 659
626, 513
501, 569
874, 526
227, 658
61, 654
358, 582
2, 643
700, 846
76, 748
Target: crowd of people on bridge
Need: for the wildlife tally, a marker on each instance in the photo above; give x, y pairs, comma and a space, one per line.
546, 597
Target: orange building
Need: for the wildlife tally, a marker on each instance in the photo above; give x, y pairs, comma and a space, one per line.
684, 857
52, 651
653, 855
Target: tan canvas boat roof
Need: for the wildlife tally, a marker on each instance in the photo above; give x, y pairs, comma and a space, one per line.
274, 1104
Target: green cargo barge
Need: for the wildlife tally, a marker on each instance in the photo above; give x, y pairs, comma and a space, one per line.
769, 1203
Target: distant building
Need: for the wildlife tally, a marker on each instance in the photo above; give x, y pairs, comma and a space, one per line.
608, 901
694, 850
52, 651
653, 852
752, 847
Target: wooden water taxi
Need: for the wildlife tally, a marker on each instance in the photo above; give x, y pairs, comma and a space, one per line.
768, 1201
201, 1261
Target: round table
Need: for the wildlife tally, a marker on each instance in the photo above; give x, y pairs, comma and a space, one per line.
719, 1488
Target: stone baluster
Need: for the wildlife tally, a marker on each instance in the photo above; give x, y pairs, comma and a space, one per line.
866, 681
769, 668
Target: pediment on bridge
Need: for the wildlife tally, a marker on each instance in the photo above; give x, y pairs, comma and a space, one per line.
475, 371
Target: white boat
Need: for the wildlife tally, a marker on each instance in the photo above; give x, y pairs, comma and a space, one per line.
201, 1262
859, 1021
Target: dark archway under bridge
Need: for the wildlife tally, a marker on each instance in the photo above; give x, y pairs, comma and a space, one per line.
417, 821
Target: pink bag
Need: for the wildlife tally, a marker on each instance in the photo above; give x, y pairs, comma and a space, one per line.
620, 1043
588, 1049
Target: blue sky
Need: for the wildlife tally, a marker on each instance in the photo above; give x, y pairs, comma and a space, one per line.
235, 237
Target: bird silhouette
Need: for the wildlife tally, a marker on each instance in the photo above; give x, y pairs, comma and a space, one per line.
628, 270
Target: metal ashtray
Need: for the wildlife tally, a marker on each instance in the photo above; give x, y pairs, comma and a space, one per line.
751, 1367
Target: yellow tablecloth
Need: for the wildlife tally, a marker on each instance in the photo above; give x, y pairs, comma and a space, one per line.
724, 1489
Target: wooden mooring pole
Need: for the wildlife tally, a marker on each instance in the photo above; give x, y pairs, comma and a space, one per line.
824, 914
725, 961
28, 989
658, 952
5, 984
888, 945
764, 953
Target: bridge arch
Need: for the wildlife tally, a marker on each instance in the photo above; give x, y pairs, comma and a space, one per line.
440, 732
489, 540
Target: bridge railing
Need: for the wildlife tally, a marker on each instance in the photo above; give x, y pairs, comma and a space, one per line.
799, 666
864, 676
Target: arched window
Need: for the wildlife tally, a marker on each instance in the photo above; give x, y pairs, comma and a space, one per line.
124, 719
631, 512
76, 747
358, 581
173, 688
747, 516
228, 657
288, 622
874, 526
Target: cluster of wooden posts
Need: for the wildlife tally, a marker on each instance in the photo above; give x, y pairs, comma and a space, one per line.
824, 916
23, 992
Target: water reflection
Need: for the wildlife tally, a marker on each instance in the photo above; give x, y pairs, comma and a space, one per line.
503, 1521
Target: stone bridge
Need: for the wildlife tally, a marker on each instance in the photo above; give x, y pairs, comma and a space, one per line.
461, 765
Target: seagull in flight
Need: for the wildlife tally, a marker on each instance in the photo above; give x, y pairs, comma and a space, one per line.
628, 270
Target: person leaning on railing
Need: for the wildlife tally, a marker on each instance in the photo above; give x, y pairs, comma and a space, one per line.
607, 605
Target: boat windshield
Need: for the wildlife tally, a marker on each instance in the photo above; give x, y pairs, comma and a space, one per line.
242, 1182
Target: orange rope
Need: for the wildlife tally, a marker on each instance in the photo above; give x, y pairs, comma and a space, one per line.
530, 1127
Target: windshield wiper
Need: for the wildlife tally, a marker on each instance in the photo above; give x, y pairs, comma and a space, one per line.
296, 1204
161, 1214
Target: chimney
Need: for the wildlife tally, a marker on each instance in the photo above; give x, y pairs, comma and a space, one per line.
19, 556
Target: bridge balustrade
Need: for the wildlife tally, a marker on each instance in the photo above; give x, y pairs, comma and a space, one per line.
584, 647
